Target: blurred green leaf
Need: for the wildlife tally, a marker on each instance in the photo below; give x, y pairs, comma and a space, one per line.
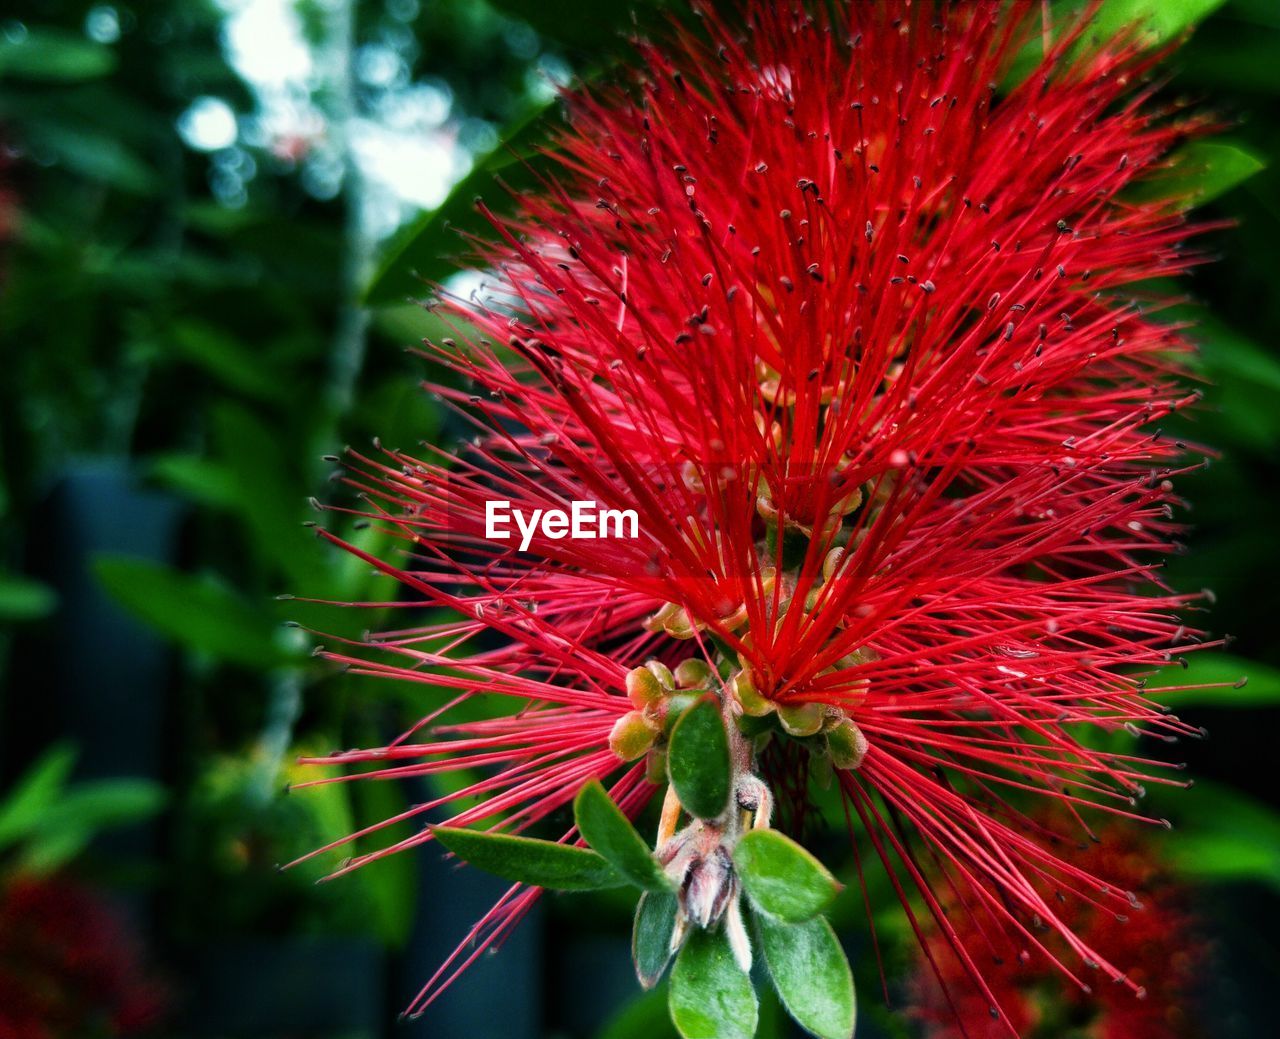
270, 496
608, 831
93, 154
698, 760
47, 54
35, 790
53, 822
426, 250
392, 881
781, 878
1236, 682
1160, 20
198, 479
222, 356
1199, 172
523, 860
588, 27
22, 599
645, 1017
811, 974
711, 997
199, 613
1223, 835
651, 932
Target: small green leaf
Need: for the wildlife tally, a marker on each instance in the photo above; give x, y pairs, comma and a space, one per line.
35, 791
1244, 683
561, 867
1199, 172
781, 878
53, 55
655, 922
698, 760
811, 974
22, 599
1159, 20
711, 997
199, 613
609, 832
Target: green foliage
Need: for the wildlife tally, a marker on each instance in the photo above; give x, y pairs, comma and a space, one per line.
1200, 171
698, 759
22, 599
1226, 681
651, 933
53, 55
811, 974
608, 831
781, 878
201, 613
49, 821
710, 996
1224, 836
524, 860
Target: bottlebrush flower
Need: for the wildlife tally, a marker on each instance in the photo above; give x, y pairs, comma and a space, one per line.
852, 332
1161, 940
68, 968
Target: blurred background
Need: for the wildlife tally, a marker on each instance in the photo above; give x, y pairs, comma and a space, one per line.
212, 216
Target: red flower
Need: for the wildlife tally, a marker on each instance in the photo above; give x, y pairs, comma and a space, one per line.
1160, 939
68, 967
847, 328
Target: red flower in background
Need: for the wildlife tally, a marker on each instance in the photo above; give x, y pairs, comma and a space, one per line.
1161, 940
69, 969
848, 329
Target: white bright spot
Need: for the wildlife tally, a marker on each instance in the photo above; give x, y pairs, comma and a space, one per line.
263, 39
102, 24
208, 125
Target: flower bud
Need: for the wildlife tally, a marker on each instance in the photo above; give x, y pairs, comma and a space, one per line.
662, 673
643, 688
847, 745
804, 719
708, 886
748, 696
831, 563
632, 735
694, 673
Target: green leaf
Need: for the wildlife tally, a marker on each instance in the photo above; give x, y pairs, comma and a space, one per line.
36, 789
651, 932
225, 358
811, 974
698, 760
1199, 172
588, 27
1223, 836
62, 829
198, 613
23, 600
424, 251
1159, 20
52, 54
645, 1017
781, 878
609, 832
561, 867
1262, 688
711, 997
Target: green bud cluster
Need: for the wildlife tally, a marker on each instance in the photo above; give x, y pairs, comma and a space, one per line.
659, 696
